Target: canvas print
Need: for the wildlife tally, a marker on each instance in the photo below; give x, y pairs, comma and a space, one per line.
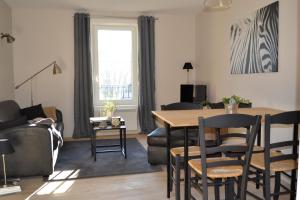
254, 42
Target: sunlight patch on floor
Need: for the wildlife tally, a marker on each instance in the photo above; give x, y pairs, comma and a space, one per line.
57, 187
63, 187
49, 188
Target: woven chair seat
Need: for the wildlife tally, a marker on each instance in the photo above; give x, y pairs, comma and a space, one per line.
258, 161
217, 172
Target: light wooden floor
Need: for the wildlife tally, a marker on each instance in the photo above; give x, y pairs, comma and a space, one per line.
150, 186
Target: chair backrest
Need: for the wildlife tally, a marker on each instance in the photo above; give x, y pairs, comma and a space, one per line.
241, 135
245, 105
218, 105
228, 121
181, 106
286, 118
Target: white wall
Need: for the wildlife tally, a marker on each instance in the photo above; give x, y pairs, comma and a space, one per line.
43, 36
298, 53
47, 35
175, 45
6, 56
212, 54
298, 92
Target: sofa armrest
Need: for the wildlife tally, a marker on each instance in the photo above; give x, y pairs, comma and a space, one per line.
59, 116
59, 122
33, 151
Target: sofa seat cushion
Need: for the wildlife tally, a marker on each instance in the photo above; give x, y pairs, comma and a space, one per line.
158, 137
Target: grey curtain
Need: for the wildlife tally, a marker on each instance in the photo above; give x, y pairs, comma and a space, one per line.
83, 90
146, 27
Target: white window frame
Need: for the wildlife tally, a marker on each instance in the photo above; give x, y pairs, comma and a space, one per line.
115, 24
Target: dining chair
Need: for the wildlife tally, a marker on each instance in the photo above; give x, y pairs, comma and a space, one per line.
177, 153
181, 106
234, 136
279, 157
222, 170
218, 105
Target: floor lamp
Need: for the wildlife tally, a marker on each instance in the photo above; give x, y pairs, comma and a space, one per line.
56, 70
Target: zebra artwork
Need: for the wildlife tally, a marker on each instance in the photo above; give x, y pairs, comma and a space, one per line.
254, 42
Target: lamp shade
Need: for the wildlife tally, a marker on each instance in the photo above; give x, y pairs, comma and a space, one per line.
6, 147
214, 5
187, 66
56, 69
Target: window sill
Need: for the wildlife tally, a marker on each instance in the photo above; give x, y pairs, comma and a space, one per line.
121, 108
127, 108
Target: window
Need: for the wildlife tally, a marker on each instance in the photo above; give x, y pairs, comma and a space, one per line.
114, 57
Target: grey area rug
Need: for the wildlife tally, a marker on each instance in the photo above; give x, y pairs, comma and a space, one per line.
75, 161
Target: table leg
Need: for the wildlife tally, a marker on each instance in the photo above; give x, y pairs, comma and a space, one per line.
121, 140
125, 148
167, 126
94, 146
186, 159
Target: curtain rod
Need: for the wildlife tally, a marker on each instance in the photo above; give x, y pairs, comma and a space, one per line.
116, 17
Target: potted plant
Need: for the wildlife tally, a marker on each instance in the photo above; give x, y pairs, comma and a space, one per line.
109, 109
232, 103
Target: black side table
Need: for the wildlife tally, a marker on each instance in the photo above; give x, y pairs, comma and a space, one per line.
97, 124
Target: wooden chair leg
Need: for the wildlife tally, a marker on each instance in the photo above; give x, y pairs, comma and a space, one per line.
264, 185
257, 180
229, 189
277, 186
197, 178
293, 185
267, 185
189, 182
171, 173
177, 177
239, 186
217, 189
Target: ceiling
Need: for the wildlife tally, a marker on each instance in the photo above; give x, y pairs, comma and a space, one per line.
137, 6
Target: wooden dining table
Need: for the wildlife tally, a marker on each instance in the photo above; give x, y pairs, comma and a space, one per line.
187, 119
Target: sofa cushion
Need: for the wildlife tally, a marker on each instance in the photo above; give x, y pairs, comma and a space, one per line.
158, 137
16, 122
33, 112
50, 112
42, 121
9, 110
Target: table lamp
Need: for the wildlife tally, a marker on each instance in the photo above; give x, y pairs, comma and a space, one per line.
7, 148
187, 66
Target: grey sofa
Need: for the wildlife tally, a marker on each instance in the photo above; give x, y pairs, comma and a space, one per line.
36, 146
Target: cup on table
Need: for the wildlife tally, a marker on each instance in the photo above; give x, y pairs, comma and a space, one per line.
115, 121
